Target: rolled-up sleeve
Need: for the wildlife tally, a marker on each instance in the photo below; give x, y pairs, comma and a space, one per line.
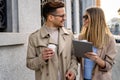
110, 55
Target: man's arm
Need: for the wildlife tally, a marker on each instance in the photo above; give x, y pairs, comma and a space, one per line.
33, 61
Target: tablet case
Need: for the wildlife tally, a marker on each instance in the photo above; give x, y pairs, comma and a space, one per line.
80, 48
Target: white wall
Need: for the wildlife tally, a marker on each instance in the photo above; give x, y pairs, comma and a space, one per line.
29, 15
13, 46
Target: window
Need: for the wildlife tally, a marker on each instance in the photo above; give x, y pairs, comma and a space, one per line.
3, 18
9, 16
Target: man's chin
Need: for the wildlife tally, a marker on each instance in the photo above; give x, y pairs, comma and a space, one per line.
61, 26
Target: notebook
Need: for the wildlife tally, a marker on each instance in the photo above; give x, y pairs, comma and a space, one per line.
81, 47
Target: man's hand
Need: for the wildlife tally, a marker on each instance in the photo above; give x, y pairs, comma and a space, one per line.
70, 75
47, 53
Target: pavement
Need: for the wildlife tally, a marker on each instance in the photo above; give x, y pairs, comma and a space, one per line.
116, 66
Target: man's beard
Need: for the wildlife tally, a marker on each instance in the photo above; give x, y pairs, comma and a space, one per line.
59, 26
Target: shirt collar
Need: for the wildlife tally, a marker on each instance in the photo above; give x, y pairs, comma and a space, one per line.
45, 33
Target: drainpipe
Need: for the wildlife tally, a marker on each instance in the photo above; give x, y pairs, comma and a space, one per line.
68, 14
76, 17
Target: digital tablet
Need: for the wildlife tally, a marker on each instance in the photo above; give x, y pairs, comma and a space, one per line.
81, 47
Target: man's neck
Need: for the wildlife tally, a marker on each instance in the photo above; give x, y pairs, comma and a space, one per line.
49, 25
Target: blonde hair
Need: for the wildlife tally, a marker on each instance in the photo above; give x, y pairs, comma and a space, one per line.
97, 31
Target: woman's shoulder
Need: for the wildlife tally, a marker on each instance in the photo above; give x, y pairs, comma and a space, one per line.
111, 39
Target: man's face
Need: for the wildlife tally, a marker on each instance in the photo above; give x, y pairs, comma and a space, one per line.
59, 17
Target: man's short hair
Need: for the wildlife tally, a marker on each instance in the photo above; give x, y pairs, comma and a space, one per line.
51, 7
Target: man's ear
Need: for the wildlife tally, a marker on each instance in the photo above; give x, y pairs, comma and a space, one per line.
50, 17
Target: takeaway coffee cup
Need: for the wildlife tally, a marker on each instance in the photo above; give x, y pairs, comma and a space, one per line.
52, 46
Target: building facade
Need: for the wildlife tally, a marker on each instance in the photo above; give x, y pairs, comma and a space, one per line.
18, 18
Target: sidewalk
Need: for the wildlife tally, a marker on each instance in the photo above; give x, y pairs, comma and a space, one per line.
116, 67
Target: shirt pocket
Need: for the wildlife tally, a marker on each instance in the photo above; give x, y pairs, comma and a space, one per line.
40, 48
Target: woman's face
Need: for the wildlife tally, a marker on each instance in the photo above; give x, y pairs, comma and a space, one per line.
85, 20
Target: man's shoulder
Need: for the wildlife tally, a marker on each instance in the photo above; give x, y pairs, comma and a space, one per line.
35, 33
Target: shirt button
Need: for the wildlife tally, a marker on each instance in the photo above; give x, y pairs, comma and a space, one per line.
42, 66
47, 74
65, 57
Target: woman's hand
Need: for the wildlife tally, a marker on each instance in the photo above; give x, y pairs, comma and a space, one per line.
93, 56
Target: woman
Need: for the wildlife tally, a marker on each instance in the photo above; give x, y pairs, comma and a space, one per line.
98, 64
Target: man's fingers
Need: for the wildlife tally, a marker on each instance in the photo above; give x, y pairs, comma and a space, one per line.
47, 53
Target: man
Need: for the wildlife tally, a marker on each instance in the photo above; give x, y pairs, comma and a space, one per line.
50, 48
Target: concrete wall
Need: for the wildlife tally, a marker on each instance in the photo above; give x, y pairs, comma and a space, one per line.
13, 45
29, 15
